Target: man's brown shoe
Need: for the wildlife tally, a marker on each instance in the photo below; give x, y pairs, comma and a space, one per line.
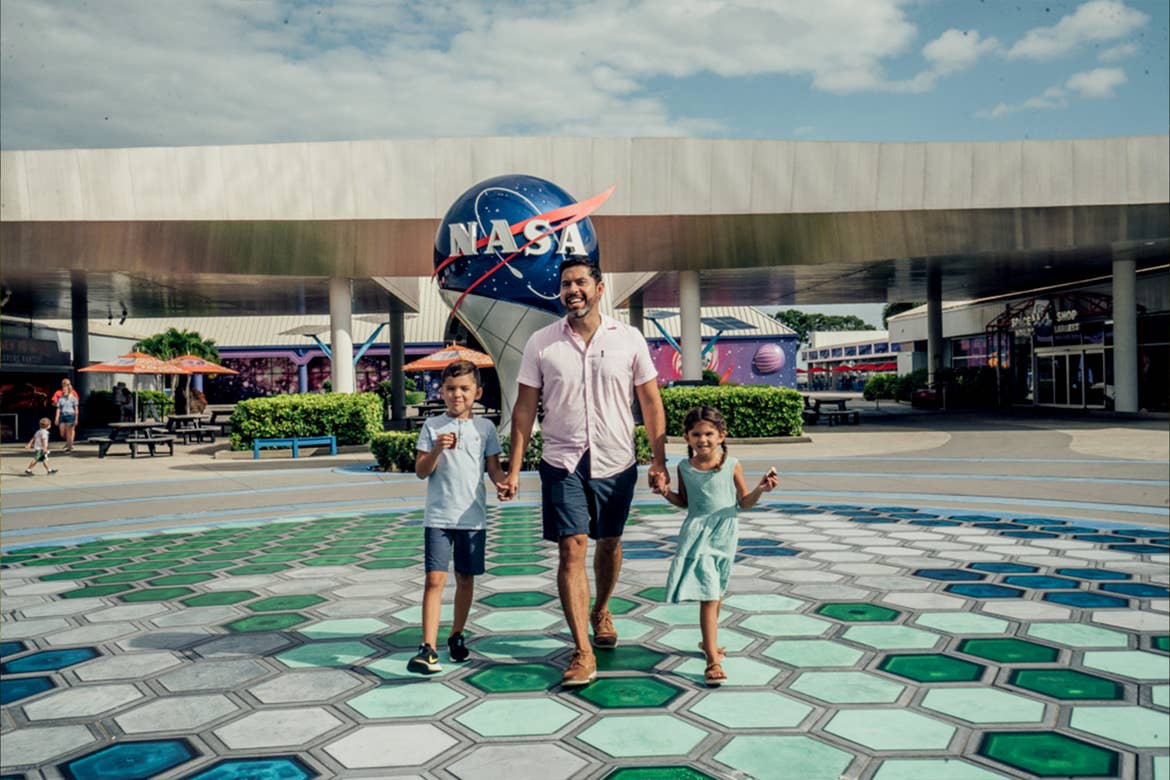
582, 671
604, 634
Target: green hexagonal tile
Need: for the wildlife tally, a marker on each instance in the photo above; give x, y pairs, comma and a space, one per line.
652, 594
124, 576
1005, 650
256, 568
856, 612
931, 668
892, 637
182, 579
632, 658
772, 626
625, 736
1049, 754
657, 773
847, 687
325, 654
406, 638
155, 594
751, 710
275, 621
815, 653
620, 606
803, 757
1161, 643
330, 560
629, 692
984, 705
518, 717
1066, 684
891, 729
390, 563
516, 678
285, 603
275, 558
219, 598
515, 570
519, 598
1134, 726
405, 701
507, 558
203, 566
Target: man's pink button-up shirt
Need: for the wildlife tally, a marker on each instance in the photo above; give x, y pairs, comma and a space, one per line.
587, 392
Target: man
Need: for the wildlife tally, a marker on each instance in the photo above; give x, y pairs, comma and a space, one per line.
588, 368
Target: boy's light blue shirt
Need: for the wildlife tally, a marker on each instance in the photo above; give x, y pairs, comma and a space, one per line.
456, 497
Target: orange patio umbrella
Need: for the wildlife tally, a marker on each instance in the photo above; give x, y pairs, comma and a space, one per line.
437, 361
193, 364
134, 363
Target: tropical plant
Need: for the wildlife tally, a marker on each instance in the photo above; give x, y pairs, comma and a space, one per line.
894, 309
805, 323
174, 343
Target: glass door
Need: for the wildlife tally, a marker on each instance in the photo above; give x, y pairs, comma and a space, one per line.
1094, 363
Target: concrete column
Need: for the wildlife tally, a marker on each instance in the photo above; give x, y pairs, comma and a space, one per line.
341, 332
1125, 348
303, 378
689, 335
397, 359
79, 311
934, 326
636, 311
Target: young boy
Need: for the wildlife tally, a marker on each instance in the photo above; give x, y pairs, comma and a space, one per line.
40, 442
452, 450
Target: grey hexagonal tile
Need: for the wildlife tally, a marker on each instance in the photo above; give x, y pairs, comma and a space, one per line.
277, 728
389, 746
214, 675
516, 760
177, 713
39, 745
127, 667
85, 702
316, 685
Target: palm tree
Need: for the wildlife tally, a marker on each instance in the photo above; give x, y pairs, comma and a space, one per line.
171, 344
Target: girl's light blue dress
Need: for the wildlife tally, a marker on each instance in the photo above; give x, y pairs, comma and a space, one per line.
708, 537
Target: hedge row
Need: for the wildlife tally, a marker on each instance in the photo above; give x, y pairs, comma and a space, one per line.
395, 450
751, 411
353, 418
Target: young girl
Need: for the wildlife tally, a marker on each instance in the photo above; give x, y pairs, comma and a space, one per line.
712, 489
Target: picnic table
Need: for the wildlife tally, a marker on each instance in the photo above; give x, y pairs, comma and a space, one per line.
136, 436
188, 427
834, 416
220, 415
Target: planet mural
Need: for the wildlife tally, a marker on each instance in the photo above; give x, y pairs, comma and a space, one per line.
769, 359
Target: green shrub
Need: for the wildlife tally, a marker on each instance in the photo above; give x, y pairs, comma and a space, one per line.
881, 386
163, 403
352, 418
411, 396
643, 452
752, 411
531, 454
906, 384
395, 450
415, 397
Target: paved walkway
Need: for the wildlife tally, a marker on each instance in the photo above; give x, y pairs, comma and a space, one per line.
927, 596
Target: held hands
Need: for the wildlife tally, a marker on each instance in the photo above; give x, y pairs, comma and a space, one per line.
507, 488
659, 478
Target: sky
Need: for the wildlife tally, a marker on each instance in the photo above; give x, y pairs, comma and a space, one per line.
167, 73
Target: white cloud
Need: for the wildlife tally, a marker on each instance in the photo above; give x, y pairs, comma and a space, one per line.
1094, 21
1119, 52
122, 73
957, 50
1097, 83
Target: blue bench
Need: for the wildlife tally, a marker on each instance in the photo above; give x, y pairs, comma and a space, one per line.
296, 442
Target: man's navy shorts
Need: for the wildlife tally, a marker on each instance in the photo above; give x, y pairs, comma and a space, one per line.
574, 503
467, 546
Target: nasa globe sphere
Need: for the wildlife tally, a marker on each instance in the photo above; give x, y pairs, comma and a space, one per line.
505, 238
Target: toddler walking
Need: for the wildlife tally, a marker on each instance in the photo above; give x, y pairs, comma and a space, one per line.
712, 490
39, 443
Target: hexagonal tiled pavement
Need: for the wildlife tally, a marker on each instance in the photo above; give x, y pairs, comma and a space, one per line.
869, 642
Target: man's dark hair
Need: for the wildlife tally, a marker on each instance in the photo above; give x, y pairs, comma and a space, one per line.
574, 260
461, 368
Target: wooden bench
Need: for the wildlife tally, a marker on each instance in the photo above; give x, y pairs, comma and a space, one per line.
151, 443
842, 418
296, 442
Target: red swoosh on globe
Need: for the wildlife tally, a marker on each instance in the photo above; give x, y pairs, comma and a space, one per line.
572, 213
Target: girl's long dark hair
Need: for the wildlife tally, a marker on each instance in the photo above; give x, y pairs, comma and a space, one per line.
706, 414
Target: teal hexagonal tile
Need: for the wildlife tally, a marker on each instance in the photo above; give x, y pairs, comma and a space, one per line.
325, 654
507, 647
817, 653
751, 710
629, 692
921, 768
786, 625
642, 735
891, 729
763, 602
1078, 635
847, 687
1135, 726
892, 637
518, 717
284, 603
984, 705
518, 678
1135, 664
630, 658
803, 757
393, 667
674, 614
961, 623
273, 621
517, 599
344, 627
405, 701
687, 640
1160, 696
740, 671
516, 620
413, 615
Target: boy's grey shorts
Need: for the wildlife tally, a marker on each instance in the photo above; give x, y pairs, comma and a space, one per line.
467, 546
